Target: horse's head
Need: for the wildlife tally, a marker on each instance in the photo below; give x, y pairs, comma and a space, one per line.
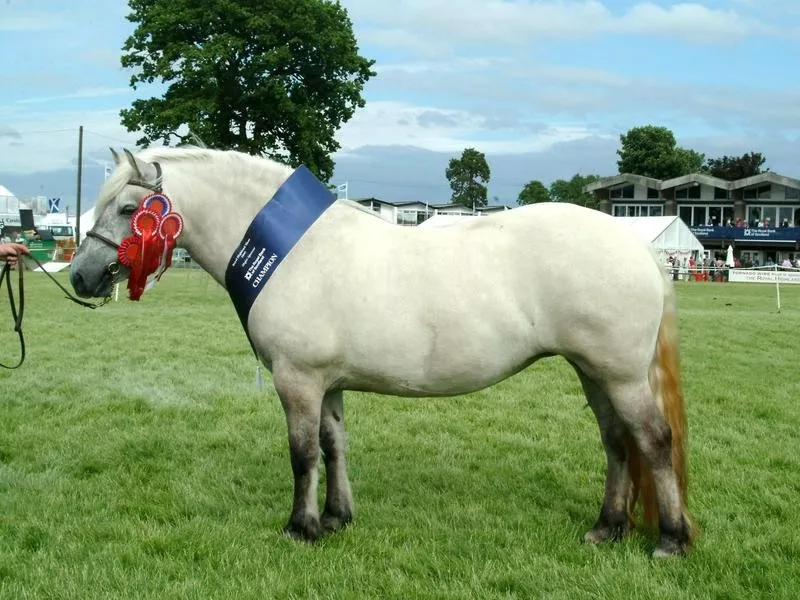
95, 267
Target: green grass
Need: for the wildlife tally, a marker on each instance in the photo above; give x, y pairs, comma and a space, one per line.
138, 460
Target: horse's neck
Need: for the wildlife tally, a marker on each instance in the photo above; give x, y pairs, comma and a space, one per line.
217, 208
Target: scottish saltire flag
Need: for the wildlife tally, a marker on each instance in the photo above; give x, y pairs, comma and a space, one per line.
52, 205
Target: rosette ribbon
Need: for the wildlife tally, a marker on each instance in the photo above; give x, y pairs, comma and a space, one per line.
155, 228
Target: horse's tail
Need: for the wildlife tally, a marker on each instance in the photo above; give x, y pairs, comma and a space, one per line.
665, 380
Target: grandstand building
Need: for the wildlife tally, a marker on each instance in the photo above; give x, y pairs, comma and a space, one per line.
759, 215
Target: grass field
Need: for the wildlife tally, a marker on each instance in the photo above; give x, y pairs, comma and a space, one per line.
138, 460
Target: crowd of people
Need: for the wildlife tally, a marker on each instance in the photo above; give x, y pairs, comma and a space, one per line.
715, 268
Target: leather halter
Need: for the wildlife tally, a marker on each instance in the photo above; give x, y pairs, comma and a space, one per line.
113, 267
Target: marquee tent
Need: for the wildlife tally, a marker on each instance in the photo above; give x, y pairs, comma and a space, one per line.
669, 236
446, 220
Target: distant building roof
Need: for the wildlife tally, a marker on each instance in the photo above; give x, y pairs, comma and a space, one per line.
665, 184
436, 205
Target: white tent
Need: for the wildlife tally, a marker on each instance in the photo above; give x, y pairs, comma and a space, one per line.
669, 236
446, 220
86, 223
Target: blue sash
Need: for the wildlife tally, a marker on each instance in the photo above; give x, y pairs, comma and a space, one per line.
272, 234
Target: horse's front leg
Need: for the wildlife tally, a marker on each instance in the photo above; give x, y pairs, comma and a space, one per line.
338, 497
302, 402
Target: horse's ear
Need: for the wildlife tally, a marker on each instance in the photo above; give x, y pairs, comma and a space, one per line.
144, 171
133, 162
117, 159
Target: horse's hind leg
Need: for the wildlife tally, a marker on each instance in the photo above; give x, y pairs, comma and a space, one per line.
637, 407
338, 510
615, 514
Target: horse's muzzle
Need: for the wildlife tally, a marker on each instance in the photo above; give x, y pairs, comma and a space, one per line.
101, 288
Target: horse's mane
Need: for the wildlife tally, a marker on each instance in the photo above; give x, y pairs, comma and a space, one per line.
166, 154
124, 172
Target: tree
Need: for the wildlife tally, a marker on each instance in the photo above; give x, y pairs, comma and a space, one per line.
533, 192
277, 79
468, 177
653, 152
735, 167
562, 190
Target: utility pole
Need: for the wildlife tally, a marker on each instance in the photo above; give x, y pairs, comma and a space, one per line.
78, 193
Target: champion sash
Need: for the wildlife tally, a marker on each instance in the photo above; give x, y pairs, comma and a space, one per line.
272, 234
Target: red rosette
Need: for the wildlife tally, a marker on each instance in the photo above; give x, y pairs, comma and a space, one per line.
158, 203
170, 226
145, 221
129, 250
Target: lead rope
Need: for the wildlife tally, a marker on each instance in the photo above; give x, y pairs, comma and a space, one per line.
5, 276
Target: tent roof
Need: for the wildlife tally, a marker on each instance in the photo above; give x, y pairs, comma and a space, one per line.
667, 234
445, 220
4, 191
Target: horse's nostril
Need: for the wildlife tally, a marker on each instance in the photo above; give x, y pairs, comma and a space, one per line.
77, 282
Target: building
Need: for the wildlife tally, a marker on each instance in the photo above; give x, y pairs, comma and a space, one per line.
759, 216
415, 212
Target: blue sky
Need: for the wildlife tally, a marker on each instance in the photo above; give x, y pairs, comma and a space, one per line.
544, 88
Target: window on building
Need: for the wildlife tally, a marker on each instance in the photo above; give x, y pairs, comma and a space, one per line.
792, 193
720, 193
690, 192
694, 216
411, 216
758, 193
653, 194
773, 216
625, 191
727, 215
638, 210
785, 216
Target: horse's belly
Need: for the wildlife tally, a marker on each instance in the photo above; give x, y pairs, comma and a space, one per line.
443, 360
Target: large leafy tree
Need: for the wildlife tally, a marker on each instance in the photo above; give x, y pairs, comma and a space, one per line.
571, 190
274, 78
532, 193
736, 167
468, 176
653, 152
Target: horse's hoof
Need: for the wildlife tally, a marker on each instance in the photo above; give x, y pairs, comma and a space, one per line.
332, 523
605, 533
668, 548
307, 529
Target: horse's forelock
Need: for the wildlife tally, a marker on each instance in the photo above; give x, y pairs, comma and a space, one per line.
113, 186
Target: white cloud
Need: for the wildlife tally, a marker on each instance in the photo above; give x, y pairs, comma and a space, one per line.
93, 92
391, 123
12, 20
512, 22
543, 93
48, 141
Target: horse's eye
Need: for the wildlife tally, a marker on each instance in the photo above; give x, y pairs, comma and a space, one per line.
128, 210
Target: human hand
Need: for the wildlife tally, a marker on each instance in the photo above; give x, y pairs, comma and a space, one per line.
11, 252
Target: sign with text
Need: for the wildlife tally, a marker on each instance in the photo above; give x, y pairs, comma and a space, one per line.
763, 276
748, 234
272, 234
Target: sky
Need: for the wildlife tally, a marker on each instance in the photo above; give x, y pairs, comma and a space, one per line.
543, 87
